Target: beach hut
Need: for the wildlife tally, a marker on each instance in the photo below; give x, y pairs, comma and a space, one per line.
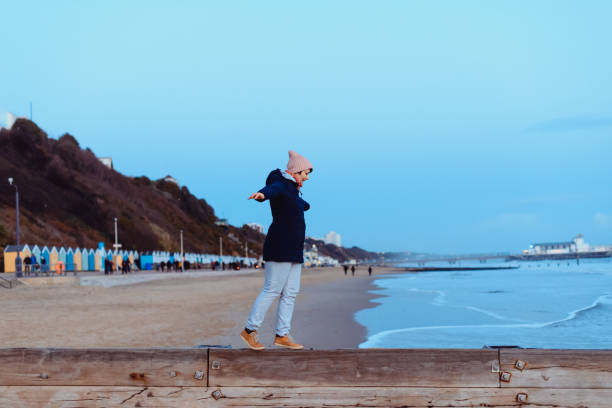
111, 257
92, 260
53, 258
36, 254
62, 255
99, 257
84, 260
69, 260
146, 261
119, 259
44, 254
10, 255
77, 259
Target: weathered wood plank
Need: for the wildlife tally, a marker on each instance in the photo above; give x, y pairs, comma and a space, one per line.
558, 368
117, 367
188, 397
424, 368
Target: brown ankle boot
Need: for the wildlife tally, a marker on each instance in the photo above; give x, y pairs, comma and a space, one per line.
286, 342
251, 340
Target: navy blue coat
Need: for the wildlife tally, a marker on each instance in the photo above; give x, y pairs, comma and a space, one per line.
285, 239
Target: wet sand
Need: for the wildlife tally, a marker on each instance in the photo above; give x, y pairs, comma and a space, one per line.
188, 311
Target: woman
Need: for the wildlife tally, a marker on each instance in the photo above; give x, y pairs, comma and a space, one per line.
282, 252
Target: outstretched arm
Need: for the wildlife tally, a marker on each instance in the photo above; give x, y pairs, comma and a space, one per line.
258, 196
269, 192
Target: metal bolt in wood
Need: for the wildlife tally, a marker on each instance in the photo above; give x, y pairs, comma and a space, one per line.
217, 394
199, 375
521, 397
44, 376
216, 365
520, 365
172, 373
505, 376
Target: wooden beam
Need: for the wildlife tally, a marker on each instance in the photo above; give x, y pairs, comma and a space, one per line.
558, 368
280, 378
117, 367
192, 397
414, 368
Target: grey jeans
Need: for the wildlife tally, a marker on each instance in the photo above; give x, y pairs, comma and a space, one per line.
282, 278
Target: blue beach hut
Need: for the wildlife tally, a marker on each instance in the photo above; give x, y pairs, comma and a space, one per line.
85, 260
44, 254
146, 261
69, 260
36, 254
91, 260
61, 255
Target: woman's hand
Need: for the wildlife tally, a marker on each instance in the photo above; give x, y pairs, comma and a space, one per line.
258, 196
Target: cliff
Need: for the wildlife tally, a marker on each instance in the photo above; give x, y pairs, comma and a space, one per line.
69, 198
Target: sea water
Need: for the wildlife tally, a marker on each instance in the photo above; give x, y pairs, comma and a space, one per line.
546, 304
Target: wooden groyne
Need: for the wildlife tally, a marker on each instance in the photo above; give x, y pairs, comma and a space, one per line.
312, 378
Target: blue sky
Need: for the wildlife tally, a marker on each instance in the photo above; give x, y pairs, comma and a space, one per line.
448, 127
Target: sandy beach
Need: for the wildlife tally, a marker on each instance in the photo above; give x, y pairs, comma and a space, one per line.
196, 309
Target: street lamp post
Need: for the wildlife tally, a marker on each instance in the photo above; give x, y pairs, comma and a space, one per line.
182, 256
18, 259
116, 245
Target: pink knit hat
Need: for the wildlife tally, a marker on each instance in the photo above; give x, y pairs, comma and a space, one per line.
297, 162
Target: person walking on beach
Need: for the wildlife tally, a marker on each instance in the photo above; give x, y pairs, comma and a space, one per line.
353, 270
345, 269
283, 251
370, 270
59, 268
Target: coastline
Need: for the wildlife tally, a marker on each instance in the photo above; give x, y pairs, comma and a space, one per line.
325, 308
326, 319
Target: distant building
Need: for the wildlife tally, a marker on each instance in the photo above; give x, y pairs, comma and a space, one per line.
7, 120
221, 221
332, 238
257, 227
556, 248
313, 258
107, 161
171, 179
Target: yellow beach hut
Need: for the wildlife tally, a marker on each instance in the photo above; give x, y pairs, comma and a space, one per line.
77, 259
53, 258
10, 255
99, 259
